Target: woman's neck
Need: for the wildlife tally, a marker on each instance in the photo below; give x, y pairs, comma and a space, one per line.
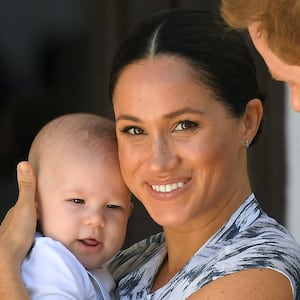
183, 242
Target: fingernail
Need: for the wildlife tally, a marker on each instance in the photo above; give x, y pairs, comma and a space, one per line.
24, 169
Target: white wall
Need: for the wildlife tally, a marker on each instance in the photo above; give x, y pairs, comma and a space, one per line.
292, 129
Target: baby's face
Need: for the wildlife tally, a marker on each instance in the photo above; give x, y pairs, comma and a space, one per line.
84, 203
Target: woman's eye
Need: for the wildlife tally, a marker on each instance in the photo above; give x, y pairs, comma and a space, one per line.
133, 130
78, 201
184, 125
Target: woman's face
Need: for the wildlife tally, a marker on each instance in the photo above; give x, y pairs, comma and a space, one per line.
181, 153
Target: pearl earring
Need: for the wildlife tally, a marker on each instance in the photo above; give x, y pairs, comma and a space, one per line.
247, 144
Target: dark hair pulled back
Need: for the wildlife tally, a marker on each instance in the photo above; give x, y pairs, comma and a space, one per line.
218, 55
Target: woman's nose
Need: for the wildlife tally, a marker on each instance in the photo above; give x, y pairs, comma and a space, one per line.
163, 156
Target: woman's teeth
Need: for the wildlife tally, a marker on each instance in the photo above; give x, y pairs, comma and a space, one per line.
165, 188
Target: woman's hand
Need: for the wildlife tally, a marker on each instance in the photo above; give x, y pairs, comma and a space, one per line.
18, 227
16, 236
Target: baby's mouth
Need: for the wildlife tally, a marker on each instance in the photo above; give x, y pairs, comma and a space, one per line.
90, 242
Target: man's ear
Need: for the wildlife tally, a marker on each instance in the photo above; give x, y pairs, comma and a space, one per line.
252, 119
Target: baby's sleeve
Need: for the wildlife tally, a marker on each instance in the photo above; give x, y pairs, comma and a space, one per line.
51, 271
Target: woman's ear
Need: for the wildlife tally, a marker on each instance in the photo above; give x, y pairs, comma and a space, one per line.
252, 119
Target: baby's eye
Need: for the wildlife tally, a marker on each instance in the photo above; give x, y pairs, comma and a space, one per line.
186, 124
113, 206
133, 130
78, 201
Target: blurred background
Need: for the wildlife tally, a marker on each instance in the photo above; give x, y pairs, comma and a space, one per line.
55, 58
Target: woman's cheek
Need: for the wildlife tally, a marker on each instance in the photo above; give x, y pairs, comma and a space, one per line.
127, 159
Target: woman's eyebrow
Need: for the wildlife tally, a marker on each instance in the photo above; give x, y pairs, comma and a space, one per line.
127, 118
170, 115
185, 110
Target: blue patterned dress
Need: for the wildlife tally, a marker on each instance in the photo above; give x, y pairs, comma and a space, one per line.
250, 239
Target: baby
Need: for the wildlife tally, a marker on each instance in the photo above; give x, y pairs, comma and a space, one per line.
83, 207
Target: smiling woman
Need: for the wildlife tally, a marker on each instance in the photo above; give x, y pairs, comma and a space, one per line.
172, 132
187, 107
